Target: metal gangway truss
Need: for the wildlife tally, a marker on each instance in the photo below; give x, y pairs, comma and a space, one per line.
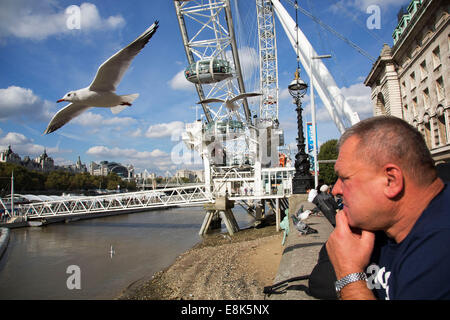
192, 195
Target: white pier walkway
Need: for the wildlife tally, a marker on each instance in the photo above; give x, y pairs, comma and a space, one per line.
180, 196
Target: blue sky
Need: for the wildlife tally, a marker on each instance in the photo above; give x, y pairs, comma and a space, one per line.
41, 59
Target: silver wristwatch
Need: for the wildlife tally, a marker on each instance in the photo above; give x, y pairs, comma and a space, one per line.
352, 277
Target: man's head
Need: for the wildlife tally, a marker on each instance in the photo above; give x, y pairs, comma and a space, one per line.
384, 139
377, 158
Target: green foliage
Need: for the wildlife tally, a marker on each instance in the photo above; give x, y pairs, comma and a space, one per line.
131, 186
185, 180
24, 180
328, 151
114, 181
56, 181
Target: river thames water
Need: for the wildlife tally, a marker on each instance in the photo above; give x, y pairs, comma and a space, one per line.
35, 265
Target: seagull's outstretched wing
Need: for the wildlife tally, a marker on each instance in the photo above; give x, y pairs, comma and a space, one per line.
64, 115
211, 100
112, 70
245, 95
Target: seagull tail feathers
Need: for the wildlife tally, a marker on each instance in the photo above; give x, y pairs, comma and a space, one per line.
126, 101
129, 98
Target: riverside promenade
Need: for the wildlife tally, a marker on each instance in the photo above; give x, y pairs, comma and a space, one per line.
300, 253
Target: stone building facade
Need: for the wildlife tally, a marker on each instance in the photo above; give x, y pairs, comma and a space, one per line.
40, 163
10, 156
410, 80
44, 162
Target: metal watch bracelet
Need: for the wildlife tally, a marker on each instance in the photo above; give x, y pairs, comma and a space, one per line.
350, 278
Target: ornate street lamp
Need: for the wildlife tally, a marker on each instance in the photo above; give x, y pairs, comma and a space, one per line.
302, 179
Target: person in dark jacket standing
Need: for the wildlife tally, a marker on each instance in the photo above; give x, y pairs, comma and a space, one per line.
326, 204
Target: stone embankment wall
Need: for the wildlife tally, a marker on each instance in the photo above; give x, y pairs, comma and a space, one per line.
4, 239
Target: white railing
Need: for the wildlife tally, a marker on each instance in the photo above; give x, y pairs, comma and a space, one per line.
239, 185
180, 196
275, 183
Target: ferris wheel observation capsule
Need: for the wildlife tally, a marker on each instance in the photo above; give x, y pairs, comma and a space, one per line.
208, 71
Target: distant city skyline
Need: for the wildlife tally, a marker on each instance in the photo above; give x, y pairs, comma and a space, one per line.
101, 168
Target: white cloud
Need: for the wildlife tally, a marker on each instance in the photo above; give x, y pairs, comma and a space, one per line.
14, 138
120, 121
364, 4
322, 115
23, 146
89, 119
91, 19
358, 97
17, 102
284, 94
42, 19
136, 133
249, 60
179, 82
130, 154
62, 162
171, 129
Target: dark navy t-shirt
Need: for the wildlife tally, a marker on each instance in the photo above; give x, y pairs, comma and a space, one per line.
419, 266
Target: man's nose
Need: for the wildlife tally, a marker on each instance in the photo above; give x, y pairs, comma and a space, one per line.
337, 188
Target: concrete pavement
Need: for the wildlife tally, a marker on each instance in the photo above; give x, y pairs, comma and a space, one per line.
300, 253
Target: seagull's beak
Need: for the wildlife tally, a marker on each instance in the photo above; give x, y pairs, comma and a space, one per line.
60, 100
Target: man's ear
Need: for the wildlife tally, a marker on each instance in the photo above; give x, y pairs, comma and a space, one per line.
394, 180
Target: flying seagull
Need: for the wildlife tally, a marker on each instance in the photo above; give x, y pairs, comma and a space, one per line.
101, 92
230, 104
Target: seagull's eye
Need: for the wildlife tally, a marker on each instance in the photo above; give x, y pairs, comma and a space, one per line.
68, 95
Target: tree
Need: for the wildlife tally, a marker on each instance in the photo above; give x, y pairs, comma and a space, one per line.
328, 151
131, 186
24, 180
113, 180
59, 181
29, 180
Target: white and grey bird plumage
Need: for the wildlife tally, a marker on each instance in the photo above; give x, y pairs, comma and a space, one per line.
304, 215
230, 104
101, 92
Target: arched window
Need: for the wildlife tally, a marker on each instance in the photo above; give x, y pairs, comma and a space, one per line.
381, 105
441, 125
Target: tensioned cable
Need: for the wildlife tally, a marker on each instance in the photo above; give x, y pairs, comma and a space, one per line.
245, 35
329, 49
330, 29
354, 18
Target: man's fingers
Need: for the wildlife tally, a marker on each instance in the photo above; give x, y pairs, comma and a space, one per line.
368, 237
341, 220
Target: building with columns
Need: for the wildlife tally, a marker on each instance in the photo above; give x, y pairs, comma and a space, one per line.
410, 80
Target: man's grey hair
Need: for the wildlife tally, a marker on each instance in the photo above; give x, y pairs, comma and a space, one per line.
387, 139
